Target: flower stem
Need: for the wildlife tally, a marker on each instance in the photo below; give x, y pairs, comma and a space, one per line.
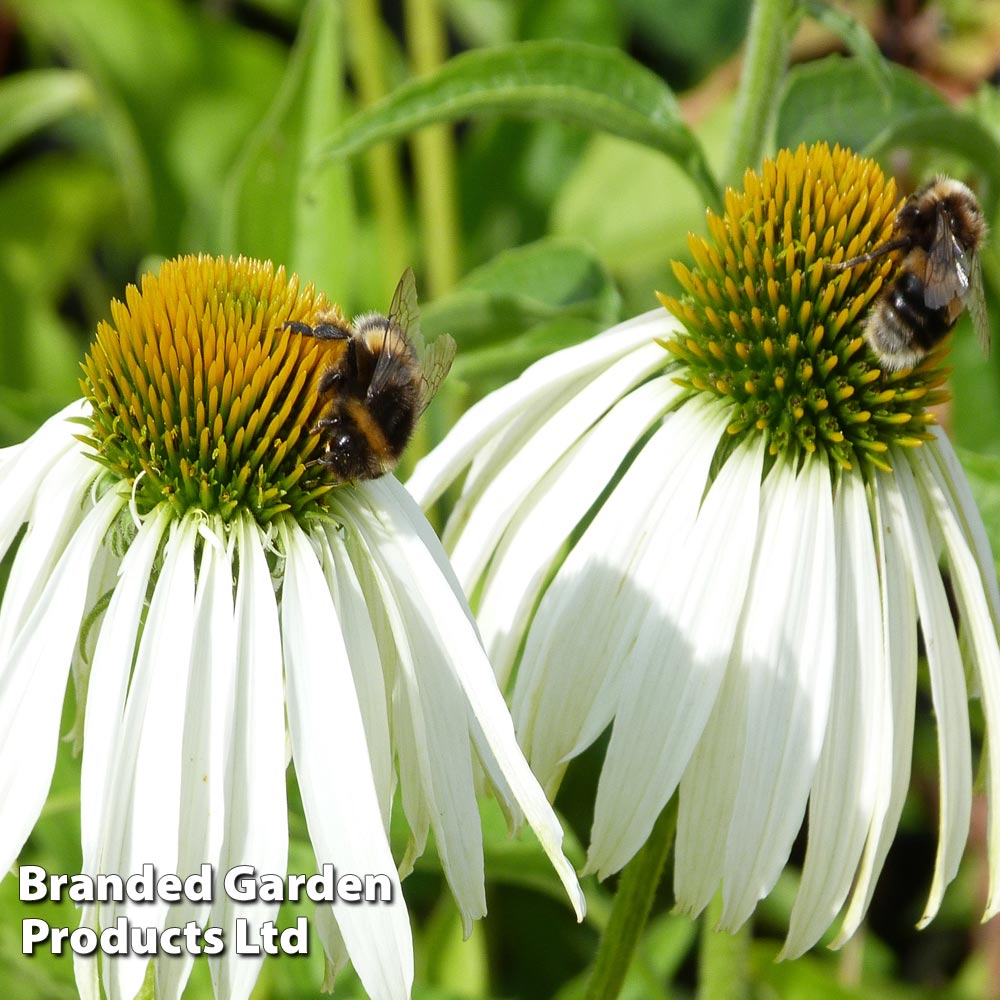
722, 959
630, 911
771, 26
434, 155
385, 179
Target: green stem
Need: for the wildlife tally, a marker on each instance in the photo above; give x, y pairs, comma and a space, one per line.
723, 958
434, 155
764, 62
385, 179
630, 911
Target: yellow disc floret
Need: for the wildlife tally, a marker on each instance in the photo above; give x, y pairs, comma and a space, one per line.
201, 398
773, 327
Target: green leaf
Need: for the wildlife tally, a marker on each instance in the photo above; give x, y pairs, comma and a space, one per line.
278, 203
953, 131
522, 305
571, 82
829, 99
833, 99
857, 39
983, 473
31, 100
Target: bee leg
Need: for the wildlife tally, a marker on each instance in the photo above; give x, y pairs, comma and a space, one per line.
323, 423
324, 331
329, 380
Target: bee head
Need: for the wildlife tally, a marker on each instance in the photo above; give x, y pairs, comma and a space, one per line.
944, 194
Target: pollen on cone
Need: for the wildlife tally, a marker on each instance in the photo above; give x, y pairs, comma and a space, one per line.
201, 397
797, 370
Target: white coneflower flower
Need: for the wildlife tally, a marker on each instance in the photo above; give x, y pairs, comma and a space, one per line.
724, 552
227, 591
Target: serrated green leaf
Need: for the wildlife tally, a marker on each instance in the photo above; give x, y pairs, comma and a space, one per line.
29, 101
278, 204
572, 82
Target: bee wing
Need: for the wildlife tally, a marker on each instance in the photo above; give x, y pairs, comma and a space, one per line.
405, 316
947, 274
435, 365
977, 305
404, 312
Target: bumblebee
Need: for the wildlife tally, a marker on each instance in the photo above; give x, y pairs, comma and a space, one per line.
380, 384
940, 230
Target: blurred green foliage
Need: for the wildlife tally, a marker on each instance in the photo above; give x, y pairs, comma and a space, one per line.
133, 130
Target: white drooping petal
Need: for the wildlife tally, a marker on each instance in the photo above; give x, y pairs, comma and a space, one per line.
707, 794
256, 813
142, 822
956, 485
981, 623
856, 757
898, 611
27, 464
388, 493
34, 682
481, 530
544, 521
944, 660
208, 722
549, 379
580, 642
366, 664
680, 656
436, 728
342, 809
428, 603
787, 646
109, 678
55, 514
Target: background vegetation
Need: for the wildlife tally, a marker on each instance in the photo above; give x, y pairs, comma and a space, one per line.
546, 159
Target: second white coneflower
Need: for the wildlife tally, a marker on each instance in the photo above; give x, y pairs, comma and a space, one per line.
719, 532
209, 581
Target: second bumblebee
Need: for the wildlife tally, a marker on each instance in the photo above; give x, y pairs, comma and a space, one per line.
941, 229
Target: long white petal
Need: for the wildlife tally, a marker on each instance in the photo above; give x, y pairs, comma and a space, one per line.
531, 545
387, 493
21, 473
982, 624
256, 816
56, 513
366, 664
543, 381
680, 657
498, 504
956, 486
86, 972
845, 790
787, 647
580, 642
707, 794
141, 826
944, 660
109, 677
343, 816
35, 681
898, 610
207, 734
462, 656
